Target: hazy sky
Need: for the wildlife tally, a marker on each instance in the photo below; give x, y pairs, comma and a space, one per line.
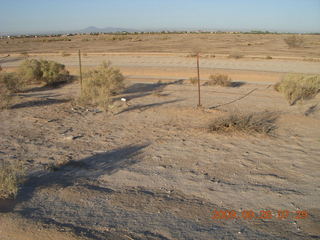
55, 15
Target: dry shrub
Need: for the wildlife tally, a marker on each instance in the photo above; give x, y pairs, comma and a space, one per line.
236, 55
24, 54
193, 80
30, 70
192, 55
65, 54
11, 175
249, 123
294, 41
5, 97
9, 83
49, 72
220, 80
12, 82
297, 87
100, 84
268, 57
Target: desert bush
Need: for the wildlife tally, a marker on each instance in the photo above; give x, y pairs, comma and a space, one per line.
193, 80
49, 72
5, 96
24, 54
100, 84
297, 87
220, 80
236, 55
294, 41
268, 57
192, 55
11, 81
249, 123
53, 73
0, 68
30, 70
11, 175
64, 54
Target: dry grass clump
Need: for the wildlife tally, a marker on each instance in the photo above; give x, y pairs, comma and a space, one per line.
100, 84
193, 80
11, 81
65, 54
249, 123
297, 87
49, 72
219, 80
11, 175
5, 97
236, 55
294, 41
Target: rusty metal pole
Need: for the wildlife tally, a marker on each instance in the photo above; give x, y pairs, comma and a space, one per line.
199, 95
80, 70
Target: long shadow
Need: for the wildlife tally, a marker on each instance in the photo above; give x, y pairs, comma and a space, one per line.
68, 80
41, 102
9, 59
143, 89
147, 106
233, 84
89, 168
237, 84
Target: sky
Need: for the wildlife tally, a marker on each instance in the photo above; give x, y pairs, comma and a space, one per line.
62, 15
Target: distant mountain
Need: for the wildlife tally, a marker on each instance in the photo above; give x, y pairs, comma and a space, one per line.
93, 29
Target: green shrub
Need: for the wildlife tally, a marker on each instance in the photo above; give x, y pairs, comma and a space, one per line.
49, 72
53, 72
100, 84
10, 177
294, 41
220, 80
249, 123
297, 87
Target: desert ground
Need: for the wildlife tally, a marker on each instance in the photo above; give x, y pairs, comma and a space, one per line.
149, 168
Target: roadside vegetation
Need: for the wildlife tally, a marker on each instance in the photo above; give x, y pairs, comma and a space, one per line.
193, 80
11, 176
31, 71
100, 85
218, 79
297, 87
294, 41
248, 123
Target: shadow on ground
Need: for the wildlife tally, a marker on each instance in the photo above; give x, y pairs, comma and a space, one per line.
144, 89
142, 107
89, 168
9, 59
41, 102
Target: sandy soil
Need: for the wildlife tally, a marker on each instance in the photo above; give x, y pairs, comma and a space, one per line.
151, 169
241, 44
